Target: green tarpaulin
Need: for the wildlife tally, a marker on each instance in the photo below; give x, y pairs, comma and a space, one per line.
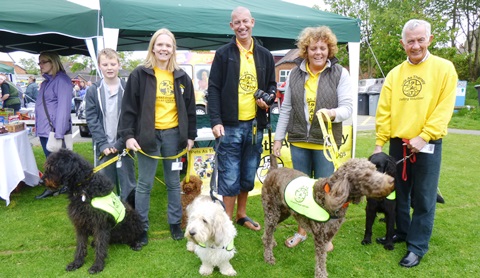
38, 25
204, 24
6, 69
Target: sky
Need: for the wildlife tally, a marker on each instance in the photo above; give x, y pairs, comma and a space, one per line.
16, 56
308, 3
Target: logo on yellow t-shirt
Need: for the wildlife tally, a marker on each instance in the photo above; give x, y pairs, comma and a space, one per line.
165, 87
311, 108
248, 83
412, 86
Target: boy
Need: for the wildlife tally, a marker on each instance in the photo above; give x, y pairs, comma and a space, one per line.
102, 109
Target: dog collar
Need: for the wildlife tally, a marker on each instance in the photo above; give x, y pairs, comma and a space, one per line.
111, 204
299, 197
229, 246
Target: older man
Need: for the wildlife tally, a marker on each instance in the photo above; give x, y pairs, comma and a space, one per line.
415, 106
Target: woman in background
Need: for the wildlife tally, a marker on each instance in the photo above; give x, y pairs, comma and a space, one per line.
54, 96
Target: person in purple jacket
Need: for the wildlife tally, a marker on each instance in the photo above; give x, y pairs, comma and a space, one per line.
55, 95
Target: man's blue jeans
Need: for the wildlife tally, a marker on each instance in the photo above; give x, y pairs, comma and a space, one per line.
238, 159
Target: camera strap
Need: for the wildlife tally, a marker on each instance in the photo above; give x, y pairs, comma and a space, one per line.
254, 131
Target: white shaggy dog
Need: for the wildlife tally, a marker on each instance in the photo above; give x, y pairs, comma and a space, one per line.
210, 234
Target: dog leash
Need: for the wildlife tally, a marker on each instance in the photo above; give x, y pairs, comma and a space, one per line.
412, 157
213, 179
111, 160
164, 157
187, 175
126, 151
330, 148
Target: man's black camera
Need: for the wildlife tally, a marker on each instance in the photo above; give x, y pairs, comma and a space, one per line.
269, 99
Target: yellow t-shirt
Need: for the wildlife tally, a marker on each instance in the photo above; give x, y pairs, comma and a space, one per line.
311, 86
417, 100
247, 85
166, 114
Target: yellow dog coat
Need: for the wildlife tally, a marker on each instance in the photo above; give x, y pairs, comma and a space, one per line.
111, 204
299, 197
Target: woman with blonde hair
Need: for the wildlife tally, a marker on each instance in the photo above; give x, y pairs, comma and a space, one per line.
158, 117
54, 98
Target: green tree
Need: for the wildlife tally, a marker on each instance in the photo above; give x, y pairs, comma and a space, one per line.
76, 63
126, 62
30, 65
469, 22
382, 22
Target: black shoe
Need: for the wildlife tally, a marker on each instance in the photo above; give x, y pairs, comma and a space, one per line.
45, 194
410, 260
176, 231
383, 240
143, 239
440, 199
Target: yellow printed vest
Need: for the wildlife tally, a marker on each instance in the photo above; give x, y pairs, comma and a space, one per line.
299, 197
111, 204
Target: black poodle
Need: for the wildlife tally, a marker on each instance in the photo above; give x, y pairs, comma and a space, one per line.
84, 191
385, 164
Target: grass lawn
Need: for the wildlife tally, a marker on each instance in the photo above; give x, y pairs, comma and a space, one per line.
38, 240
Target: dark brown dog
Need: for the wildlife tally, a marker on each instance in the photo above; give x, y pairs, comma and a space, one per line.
353, 180
385, 164
190, 190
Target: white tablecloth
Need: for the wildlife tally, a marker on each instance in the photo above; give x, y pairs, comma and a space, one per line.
17, 163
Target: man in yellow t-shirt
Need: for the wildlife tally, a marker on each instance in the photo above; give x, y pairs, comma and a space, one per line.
239, 69
414, 108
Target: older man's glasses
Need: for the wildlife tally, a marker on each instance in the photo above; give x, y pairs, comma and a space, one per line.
43, 62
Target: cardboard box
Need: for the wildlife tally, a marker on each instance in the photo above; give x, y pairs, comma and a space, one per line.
15, 127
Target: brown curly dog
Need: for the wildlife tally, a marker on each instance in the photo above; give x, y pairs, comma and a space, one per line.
356, 178
190, 190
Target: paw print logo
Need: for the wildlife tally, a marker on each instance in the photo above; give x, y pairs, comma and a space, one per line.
301, 194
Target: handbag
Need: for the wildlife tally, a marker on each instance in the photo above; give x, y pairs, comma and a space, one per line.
55, 144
